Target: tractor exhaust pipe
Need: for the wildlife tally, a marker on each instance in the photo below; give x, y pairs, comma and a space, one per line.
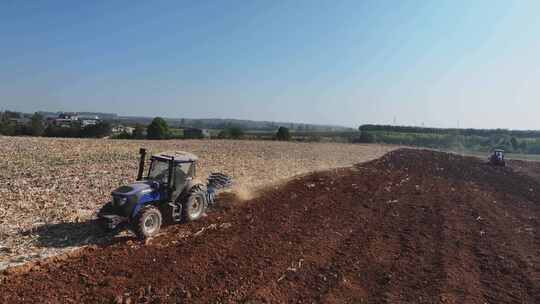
142, 152
170, 180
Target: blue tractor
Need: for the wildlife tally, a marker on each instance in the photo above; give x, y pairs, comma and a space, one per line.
497, 158
166, 193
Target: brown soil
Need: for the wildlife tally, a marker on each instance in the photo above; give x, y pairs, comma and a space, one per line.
51, 187
412, 227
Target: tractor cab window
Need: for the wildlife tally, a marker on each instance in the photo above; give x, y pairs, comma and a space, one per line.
159, 171
181, 173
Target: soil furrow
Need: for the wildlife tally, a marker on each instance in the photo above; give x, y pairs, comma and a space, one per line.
412, 227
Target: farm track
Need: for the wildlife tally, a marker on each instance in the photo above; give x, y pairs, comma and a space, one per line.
411, 227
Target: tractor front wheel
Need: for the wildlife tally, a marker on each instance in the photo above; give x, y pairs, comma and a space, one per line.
147, 223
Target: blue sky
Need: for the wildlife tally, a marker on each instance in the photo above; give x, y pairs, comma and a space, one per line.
437, 63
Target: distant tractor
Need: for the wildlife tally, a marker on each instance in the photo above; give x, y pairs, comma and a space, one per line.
167, 192
497, 158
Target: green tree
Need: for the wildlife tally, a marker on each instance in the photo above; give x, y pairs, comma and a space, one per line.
122, 135
283, 134
236, 132
37, 125
514, 143
231, 132
523, 146
223, 134
54, 131
6, 126
99, 130
138, 132
366, 137
158, 129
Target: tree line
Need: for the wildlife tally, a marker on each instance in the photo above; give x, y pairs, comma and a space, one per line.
15, 124
453, 131
159, 129
453, 139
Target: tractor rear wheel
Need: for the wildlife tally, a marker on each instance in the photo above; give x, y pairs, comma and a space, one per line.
147, 223
194, 207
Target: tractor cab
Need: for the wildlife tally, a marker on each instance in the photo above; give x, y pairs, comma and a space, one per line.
497, 157
170, 170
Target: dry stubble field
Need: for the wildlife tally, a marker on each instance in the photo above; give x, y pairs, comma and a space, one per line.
50, 189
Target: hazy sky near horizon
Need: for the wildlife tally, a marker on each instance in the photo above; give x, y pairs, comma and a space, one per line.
437, 63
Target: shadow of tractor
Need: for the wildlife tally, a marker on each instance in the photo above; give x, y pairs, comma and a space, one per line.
77, 234
73, 234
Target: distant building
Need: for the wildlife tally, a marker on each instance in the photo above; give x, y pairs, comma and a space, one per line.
69, 116
63, 123
88, 120
194, 133
122, 129
66, 119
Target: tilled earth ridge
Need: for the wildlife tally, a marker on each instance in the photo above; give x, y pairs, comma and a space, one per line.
411, 227
50, 188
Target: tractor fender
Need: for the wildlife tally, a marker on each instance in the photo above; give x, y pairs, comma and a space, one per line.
187, 189
144, 200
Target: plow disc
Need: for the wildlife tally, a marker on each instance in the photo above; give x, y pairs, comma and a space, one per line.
216, 182
219, 181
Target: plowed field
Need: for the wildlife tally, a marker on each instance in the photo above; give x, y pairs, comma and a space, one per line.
50, 188
411, 227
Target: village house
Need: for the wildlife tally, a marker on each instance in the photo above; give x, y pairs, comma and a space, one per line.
119, 129
87, 120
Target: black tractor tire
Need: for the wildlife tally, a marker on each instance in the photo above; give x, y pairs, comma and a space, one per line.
147, 223
194, 206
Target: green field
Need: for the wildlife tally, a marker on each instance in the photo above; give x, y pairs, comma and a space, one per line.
456, 141
517, 156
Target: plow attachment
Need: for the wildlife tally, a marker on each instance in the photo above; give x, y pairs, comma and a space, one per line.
216, 182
